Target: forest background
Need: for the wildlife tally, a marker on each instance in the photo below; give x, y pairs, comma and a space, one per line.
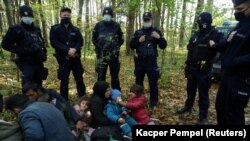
175, 18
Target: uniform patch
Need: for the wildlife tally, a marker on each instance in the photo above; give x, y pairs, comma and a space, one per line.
240, 35
242, 93
26, 13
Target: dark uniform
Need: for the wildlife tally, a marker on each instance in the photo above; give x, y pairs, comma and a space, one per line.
234, 91
146, 59
26, 41
199, 66
107, 38
62, 39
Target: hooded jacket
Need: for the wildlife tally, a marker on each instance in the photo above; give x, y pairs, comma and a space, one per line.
98, 103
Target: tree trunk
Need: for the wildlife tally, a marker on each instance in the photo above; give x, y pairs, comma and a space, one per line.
44, 24
209, 6
163, 17
157, 13
199, 8
114, 7
79, 18
26, 2
8, 12
87, 30
130, 30
182, 28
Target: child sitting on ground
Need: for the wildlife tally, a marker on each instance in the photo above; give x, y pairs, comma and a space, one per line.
119, 114
82, 108
137, 104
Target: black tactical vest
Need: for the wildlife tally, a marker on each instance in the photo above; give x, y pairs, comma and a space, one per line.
201, 49
149, 47
108, 40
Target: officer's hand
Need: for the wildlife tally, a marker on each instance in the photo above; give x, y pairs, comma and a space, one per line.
72, 52
231, 36
211, 43
142, 38
155, 35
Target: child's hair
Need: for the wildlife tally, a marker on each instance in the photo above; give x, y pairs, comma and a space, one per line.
84, 98
137, 89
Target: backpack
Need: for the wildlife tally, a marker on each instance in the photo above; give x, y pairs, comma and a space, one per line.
107, 133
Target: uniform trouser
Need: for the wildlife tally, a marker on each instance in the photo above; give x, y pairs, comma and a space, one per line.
114, 67
232, 98
148, 66
200, 80
65, 66
32, 73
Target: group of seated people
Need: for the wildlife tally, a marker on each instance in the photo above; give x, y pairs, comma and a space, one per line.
101, 116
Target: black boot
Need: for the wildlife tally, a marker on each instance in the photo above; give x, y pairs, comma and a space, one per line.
202, 121
1, 103
183, 110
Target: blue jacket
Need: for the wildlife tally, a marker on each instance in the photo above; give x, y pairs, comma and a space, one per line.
43, 122
114, 111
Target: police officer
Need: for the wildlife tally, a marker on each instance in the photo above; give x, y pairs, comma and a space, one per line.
67, 41
145, 41
199, 66
234, 91
108, 38
25, 40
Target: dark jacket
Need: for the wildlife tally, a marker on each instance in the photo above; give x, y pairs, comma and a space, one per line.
97, 104
60, 103
62, 39
236, 54
41, 121
149, 46
107, 38
10, 132
25, 41
199, 50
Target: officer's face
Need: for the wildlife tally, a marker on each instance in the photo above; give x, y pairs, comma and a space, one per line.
65, 14
147, 20
241, 8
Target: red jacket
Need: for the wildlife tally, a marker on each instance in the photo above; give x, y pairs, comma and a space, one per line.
137, 105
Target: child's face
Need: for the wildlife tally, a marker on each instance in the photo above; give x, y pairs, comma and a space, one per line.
83, 106
107, 93
118, 99
131, 94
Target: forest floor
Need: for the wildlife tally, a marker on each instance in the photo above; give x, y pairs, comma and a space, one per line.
172, 85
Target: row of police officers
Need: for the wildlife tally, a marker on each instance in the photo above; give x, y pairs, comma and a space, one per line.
26, 41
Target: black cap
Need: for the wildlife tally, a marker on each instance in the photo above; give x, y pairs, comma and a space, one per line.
65, 9
26, 11
147, 15
238, 2
108, 10
205, 17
